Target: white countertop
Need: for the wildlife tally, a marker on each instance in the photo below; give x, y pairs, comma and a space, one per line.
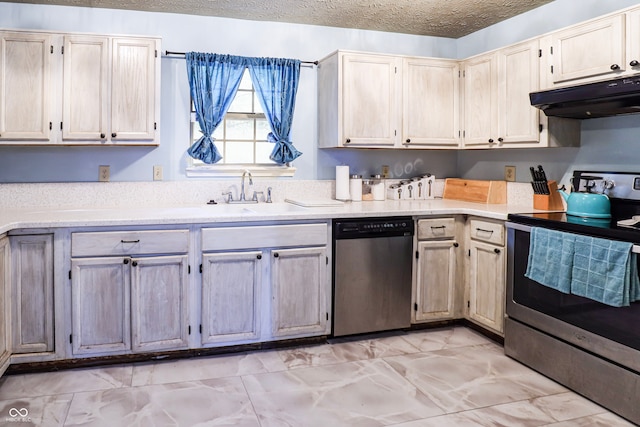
33, 217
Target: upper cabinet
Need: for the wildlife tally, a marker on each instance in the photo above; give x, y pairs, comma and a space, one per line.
79, 89
385, 101
497, 110
25, 87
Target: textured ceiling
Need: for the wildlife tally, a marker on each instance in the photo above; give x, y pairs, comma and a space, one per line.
444, 18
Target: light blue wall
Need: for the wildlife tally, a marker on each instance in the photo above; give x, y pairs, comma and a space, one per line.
607, 144
188, 32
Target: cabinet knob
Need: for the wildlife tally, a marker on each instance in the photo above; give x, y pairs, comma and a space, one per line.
134, 263
348, 140
634, 63
103, 136
408, 140
500, 139
496, 250
126, 261
615, 67
259, 256
490, 140
456, 244
113, 135
276, 255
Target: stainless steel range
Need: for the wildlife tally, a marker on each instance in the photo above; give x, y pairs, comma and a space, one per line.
589, 346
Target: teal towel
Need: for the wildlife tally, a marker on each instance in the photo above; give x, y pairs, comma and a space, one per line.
605, 271
551, 258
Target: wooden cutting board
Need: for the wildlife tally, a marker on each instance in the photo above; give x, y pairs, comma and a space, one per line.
470, 190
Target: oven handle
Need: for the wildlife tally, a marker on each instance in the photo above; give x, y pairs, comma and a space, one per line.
527, 229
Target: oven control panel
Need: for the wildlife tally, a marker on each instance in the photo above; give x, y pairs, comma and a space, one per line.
616, 185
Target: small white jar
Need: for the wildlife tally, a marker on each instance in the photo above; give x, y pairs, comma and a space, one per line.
355, 188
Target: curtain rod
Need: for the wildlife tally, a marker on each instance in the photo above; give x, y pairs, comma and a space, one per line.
169, 53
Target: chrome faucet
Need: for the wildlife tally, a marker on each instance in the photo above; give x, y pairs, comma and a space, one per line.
242, 195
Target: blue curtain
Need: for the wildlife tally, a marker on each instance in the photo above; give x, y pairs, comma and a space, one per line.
276, 83
214, 81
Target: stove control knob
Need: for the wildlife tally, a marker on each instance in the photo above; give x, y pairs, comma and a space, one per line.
608, 184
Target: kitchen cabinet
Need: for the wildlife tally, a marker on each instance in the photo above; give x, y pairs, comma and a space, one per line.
435, 289
487, 273
25, 87
262, 283
497, 109
5, 320
111, 88
384, 101
129, 291
32, 273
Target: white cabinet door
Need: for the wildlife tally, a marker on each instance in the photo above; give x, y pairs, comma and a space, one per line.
370, 94
25, 87
435, 280
480, 101
133, 89
519, 74
231, 292
430, 103
298, 286
32, 293
596, 48
487, 285
159, 303
633, 41
100, 310
86, 88
5, 319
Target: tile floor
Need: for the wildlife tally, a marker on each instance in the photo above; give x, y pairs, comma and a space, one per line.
442, 377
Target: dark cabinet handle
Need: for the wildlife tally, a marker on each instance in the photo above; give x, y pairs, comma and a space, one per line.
348, 140
455, 245
259, 256
130, 241
113, 135
125, 261
500, 139
615, 67
276, 255
634, 63
496, 250
134, 263
103, 136
490, 140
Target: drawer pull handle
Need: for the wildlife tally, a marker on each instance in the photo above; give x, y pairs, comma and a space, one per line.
484, 231
439, 227
130, 241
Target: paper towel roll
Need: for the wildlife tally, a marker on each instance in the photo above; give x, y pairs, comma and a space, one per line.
342, 183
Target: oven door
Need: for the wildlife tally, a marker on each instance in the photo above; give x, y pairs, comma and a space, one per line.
610, 332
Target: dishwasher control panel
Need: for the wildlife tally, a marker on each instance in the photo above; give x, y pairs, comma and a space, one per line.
373, 227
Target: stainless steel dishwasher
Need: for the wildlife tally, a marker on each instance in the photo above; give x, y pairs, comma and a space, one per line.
371, 274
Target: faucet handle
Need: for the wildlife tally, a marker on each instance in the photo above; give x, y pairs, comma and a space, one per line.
230, 194
269, 195
255, 195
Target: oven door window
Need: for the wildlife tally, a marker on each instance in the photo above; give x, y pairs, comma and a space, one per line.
620, 324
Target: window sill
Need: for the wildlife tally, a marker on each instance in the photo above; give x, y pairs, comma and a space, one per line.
222, 171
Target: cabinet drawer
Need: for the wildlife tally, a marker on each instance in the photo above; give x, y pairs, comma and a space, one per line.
254, 237
437, 228
104, 243
486, 231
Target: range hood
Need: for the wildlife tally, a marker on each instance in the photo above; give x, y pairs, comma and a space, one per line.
590, 101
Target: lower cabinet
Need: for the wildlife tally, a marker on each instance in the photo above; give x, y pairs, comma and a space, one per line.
487, 274
131, 303
5, 321
32, 316
262, 283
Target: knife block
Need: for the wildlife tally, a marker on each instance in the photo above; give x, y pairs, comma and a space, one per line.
549, 202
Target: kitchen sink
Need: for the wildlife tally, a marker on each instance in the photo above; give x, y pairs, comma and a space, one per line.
274, 208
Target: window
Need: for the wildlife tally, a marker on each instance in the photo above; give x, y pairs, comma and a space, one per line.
241, 138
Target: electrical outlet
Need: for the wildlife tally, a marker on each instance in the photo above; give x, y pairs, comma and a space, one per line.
103, 173
510, 173
157, 173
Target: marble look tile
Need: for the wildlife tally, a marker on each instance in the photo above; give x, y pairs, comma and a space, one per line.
364, 393
472, 377
216, 402
600, 420
347, 350
450, 337
35, 411
207, 368
567, 406
70, 381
